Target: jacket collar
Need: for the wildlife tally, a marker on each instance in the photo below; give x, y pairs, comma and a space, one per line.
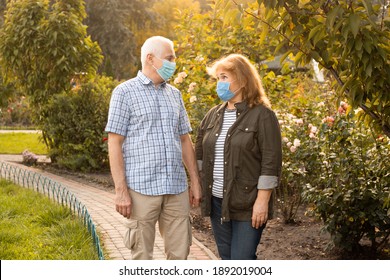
240, 106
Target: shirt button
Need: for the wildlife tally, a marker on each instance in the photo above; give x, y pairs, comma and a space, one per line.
225, 162
210, 187
228, 135
216, 134
246, 129
238, 114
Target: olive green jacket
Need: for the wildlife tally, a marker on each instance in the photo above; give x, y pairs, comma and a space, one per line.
252, 157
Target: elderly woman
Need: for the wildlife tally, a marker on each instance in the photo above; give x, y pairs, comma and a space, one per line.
239, 153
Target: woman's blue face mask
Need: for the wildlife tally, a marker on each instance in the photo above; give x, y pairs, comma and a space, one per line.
223, 91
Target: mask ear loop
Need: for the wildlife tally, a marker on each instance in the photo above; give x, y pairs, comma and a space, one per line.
234, 92
153, 55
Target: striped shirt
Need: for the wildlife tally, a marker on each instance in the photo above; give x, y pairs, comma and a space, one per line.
228, 120
151, 119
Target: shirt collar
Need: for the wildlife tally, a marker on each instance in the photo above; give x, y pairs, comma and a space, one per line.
145, 80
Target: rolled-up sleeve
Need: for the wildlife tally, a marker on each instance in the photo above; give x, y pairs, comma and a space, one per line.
269, 139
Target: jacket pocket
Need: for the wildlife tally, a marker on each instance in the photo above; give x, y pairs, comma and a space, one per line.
247, 136
132, 234
243, 194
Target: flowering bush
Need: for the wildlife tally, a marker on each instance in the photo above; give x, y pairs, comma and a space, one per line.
29, 158
16, 113
334, 162
198, 93
353, 182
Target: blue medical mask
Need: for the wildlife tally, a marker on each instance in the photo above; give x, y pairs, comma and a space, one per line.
224, 92
167, 69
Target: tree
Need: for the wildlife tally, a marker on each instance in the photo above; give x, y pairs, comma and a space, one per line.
117, 26
43, 47
168, 11
348, 38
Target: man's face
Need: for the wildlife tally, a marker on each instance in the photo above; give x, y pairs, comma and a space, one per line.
168, 54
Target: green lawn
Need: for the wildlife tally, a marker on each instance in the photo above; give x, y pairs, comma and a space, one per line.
16, 143
32, 227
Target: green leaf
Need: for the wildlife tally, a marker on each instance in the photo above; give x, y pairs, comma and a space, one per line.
264, 33
369, 69
354, 21
314, 31
298, 58
284, 56
332, 15
368, 5
315, 55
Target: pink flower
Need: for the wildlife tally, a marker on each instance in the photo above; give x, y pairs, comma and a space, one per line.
178, 80
343, 108
328, 120
293, 149
182, 75
193, 98
321, 104
299, 121
191, 87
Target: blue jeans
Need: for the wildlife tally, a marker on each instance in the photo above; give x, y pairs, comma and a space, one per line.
236, 240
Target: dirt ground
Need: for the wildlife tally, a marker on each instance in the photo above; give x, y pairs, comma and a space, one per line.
303, 240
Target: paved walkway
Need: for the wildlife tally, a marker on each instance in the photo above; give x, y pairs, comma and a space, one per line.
100, 205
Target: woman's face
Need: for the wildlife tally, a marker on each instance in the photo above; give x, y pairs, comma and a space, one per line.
226, 76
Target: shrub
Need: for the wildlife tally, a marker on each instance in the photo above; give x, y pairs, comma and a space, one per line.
353, 184
75, 125
298, 102
29, 158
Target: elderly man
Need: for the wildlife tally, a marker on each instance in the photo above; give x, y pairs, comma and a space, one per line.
148, 142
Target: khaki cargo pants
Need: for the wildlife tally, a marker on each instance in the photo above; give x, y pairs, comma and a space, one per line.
172, 214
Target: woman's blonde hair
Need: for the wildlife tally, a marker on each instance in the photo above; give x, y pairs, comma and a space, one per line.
247, 76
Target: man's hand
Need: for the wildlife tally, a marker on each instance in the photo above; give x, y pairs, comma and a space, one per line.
122, 196
123, 203
195, 193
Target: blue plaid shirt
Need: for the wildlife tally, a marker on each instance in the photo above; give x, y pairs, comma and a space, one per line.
152, 120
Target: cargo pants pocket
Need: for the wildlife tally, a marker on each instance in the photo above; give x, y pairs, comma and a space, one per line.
132, 234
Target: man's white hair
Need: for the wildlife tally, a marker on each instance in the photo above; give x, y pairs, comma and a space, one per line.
154, 45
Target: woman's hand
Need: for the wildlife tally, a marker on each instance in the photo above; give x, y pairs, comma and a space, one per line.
260, 208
